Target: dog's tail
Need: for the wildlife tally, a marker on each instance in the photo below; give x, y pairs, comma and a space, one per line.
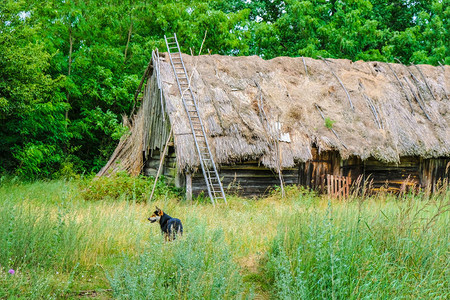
179, 227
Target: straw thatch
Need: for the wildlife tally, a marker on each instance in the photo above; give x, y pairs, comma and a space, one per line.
363, 109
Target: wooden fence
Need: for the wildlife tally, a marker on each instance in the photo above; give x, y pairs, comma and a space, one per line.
338, 186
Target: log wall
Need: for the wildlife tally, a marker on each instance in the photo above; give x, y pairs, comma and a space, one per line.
391, 176
170, 169
434, 172
252, 179
313, 173
246, 179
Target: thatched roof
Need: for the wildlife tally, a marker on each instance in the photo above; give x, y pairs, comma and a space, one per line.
247, 103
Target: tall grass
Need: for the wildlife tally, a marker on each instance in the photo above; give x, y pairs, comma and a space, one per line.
54, 240
197, 266
373, 250
63, 240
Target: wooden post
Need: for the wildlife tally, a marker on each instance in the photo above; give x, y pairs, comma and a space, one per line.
189, 187
329, 184
161, 161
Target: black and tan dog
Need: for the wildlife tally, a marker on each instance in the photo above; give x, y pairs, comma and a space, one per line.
170, 227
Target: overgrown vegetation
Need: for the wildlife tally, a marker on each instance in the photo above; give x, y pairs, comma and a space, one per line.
395, 251
69, 69
198, 266
124, 187
60, 243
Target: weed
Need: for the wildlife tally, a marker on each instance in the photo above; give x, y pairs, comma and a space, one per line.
329, 123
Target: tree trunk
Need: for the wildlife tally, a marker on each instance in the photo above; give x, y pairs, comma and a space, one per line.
70, 68
129, 34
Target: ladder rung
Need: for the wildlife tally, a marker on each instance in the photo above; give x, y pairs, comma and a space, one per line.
211, 176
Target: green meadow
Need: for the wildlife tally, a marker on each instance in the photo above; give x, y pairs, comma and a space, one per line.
83, 238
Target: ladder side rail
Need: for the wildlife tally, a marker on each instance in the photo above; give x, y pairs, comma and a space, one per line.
189, 117
200, 121
206, 142
207, 178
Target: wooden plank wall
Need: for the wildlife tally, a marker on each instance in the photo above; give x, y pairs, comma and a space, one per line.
434, 172
169, 167
246, 179
411, 172
391, 176
352, 167
250, 178
313, 173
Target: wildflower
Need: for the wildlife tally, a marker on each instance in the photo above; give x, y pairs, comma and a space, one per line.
11, 271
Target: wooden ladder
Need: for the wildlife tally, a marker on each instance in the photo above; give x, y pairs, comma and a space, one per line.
213, 183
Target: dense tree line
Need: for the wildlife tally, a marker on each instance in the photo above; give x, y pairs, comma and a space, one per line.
69, 68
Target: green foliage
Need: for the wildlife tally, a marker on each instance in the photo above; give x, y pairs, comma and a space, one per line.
329, 123
355, 254
68, 71
197, 266
125, 187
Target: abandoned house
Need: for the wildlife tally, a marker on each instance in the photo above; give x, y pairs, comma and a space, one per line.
290, 119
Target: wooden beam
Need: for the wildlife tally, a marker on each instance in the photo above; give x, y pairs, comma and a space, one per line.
341, 83
403, 88
189, 187
161, 161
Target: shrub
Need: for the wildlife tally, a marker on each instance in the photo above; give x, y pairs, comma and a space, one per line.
125, 187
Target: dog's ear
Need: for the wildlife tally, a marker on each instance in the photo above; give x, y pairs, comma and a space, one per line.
160, 213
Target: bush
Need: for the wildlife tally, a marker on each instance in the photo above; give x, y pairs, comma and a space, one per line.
125, 187
198, 265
